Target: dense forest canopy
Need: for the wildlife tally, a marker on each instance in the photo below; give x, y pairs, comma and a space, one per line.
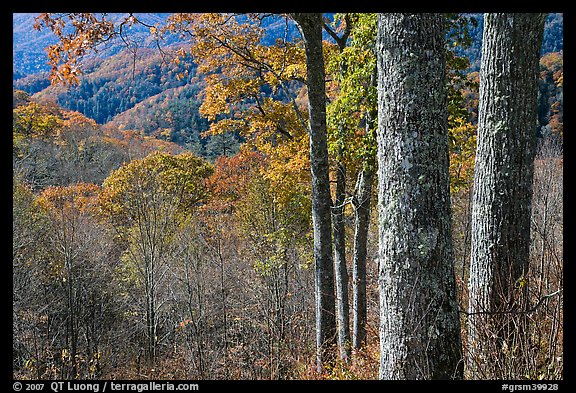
228, 196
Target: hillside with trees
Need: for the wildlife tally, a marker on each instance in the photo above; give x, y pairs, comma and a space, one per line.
301, 196
119, 82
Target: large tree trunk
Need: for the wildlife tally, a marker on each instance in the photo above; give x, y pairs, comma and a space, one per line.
419, 323
311, 28
503, 177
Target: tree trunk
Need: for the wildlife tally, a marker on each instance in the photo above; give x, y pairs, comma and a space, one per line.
72, 320
310, 26
503, 177
419, 323
361, 202
340, 270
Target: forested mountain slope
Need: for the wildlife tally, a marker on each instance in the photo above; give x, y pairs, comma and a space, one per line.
143, 90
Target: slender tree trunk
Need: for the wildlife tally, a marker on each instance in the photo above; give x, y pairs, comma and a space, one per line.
340, 270
361, 202
419, 322
72, 315
150, 307
310, 26
503, 178
224, 299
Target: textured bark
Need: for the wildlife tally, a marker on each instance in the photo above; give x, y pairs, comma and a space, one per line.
503, 177
310, 26
419, 323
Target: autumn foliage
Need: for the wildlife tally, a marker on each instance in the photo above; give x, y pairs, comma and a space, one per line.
175, 241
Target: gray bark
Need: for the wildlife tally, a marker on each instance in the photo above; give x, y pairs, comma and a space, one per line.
340, 270
361, 203
339, 231
310, 26
419, 322
503, 177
